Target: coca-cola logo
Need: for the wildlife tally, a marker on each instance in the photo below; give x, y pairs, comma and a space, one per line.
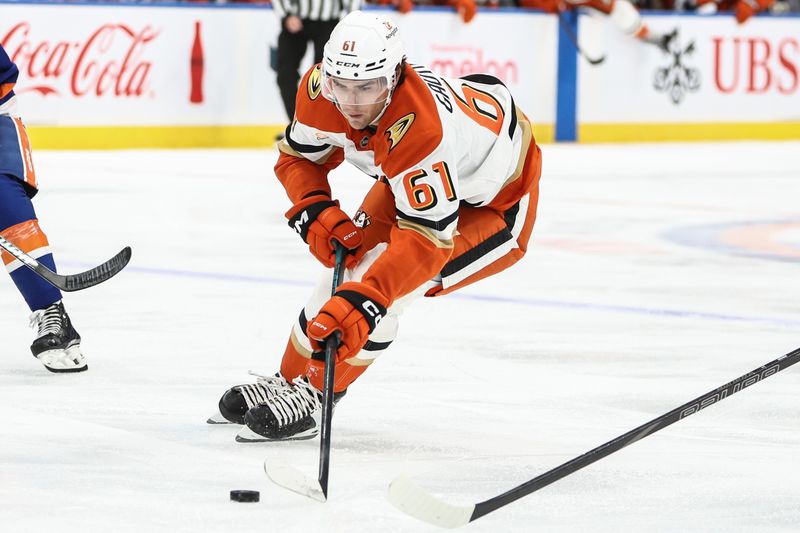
458, 61
109, 62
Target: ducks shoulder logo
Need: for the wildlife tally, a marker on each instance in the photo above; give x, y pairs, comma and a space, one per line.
677, 78
314, 83
398, 130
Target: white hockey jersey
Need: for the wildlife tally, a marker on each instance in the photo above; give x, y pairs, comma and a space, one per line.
440, 144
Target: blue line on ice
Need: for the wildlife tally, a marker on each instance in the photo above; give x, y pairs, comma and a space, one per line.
531, 302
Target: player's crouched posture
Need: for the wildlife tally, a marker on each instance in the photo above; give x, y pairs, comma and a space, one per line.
57, 344
456, 172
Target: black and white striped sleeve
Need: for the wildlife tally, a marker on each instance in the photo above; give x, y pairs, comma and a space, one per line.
316, 9
350, 5
284, 8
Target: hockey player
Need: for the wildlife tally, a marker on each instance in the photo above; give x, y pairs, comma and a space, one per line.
743, 9
456, 172
57, 344
622, 13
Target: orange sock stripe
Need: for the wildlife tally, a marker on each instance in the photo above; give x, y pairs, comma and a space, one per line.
6, 88
345, 375
295, 361
27, 155
27, 236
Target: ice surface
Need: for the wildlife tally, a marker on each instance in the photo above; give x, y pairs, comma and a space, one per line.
656, 273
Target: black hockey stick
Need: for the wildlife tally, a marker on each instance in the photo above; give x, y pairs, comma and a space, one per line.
73, 282
411, 499
574, 39
287, 476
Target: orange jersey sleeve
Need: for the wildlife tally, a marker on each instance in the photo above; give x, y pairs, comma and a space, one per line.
410, 260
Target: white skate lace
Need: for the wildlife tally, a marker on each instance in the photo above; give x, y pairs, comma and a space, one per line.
293, 403
261, 391
46, 321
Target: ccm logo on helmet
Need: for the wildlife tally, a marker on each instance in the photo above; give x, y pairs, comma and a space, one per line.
346, 64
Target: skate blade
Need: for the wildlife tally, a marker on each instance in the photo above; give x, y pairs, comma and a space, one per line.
64, 361
248, 435
218, 419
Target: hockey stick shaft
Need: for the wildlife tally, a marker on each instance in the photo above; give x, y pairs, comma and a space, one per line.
657, 424
72, 282
415, 501
567, 29
327, 393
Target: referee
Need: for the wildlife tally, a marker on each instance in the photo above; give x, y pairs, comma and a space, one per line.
303, 21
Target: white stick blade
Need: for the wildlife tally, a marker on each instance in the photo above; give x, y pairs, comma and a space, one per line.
294, 480
413, 500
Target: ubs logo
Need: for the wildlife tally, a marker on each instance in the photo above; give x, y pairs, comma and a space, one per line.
677, 79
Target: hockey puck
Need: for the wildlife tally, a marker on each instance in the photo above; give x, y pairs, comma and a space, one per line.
245, 495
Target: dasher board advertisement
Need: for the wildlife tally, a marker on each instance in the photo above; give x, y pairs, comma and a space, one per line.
131, 65
202, 76
518, 47
719, 78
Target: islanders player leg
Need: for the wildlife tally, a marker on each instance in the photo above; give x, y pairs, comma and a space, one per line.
57, 343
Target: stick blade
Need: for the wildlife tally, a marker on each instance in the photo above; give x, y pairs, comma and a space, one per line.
290, 478
413, 500
98, 274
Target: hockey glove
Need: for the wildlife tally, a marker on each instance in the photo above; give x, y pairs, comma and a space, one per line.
320, 222
354, 310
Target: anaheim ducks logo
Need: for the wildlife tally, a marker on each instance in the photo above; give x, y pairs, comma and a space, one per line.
314, 83
398, 130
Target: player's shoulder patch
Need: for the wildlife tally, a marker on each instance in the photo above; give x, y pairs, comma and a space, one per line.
398, 130
314, 83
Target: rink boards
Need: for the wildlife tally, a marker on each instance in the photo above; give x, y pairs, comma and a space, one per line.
720, 81
122, 76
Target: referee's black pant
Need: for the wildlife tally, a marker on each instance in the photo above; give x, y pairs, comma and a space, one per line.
292, 48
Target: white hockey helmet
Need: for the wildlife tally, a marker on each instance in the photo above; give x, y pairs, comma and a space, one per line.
362, 47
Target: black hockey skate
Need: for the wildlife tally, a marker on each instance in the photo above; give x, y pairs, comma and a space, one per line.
292, 413
57, 344
239, 399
